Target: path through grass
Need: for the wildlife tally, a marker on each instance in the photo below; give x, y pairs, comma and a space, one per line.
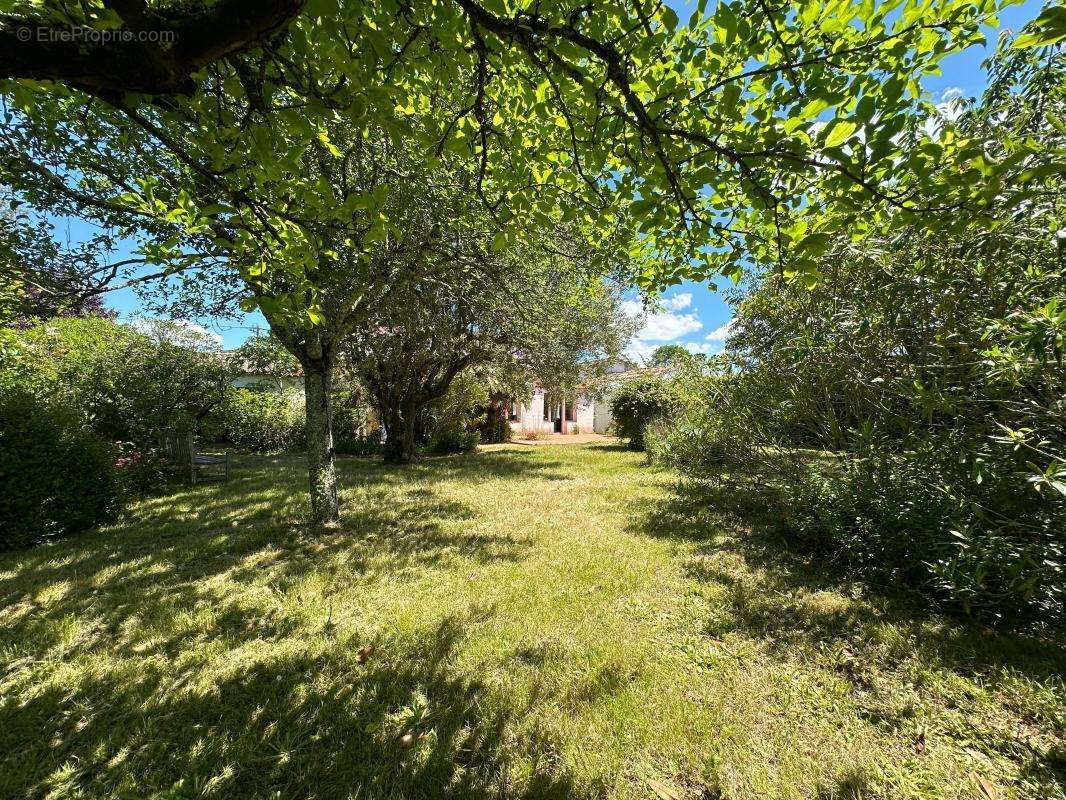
540, 623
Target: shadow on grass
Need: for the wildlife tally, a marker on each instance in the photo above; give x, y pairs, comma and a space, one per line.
797, 605
194, 532
309, 725
737, 521
305, 718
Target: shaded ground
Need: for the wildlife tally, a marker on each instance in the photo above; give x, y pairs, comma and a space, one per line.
545, 622
550, 440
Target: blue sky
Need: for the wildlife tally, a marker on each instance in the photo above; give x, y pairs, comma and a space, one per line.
692, 314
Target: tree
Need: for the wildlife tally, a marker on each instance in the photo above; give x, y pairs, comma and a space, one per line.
39, 278
124, 384
933, 365
543, 312
667, 354
167, 45
714, 135
699, 144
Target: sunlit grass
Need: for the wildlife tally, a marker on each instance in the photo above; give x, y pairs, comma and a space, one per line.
544, 622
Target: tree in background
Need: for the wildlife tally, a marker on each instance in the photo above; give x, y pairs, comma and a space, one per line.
667, 354
702, 143
933, 367
545, 312
40, 278
124, 384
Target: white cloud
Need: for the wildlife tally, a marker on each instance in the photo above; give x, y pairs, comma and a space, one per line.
678, 301
951, 106
640, 351
721, 333
706, 348
180, 332
664, 325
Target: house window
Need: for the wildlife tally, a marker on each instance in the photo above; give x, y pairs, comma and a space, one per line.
571, 411
513, 414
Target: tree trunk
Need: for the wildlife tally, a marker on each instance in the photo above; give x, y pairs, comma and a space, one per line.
322, 471
401, 436
400, 415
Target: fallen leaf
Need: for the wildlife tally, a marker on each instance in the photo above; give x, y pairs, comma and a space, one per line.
988, 789
364, 653
662, 790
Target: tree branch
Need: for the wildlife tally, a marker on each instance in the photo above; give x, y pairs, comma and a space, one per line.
154, 54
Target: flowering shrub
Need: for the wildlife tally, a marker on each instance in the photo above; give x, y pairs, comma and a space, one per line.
142, 470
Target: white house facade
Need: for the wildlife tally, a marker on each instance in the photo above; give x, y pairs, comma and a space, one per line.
546, 413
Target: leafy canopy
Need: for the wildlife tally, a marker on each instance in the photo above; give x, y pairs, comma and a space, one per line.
751, 131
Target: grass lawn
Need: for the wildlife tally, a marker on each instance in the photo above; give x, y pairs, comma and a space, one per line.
549, 622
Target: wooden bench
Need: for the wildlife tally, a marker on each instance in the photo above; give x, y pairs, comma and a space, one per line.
180, 448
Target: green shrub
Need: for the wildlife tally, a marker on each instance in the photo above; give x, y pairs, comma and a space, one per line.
638, 402
454, 440
123, 383
495, 427
691, 443
450, 425
144, 470
261, 420
993, 547
55, 477
358, 445
351, 422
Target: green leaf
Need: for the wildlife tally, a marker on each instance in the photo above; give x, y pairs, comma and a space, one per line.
839, 131
814, 244
1048, 28
323, 136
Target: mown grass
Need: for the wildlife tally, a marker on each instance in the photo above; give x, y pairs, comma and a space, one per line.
546, 623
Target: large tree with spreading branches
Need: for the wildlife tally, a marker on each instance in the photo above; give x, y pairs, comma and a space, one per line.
543, 311
753, 130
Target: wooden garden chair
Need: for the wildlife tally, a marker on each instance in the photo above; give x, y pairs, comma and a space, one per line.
180, 448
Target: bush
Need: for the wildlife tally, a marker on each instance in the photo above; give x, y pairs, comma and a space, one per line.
143, 470
495, 427
691, 443
638, 402
993, 547
454, 440
351, 420
123, 383
359, 445
55, 478
260, 420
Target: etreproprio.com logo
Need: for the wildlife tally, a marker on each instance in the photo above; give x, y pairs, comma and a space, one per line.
87, 35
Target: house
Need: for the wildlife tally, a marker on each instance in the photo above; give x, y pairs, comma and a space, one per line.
583, 412
546, 413
277, 378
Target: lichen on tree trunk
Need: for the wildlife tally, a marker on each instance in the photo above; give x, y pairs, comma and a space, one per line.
321, 467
